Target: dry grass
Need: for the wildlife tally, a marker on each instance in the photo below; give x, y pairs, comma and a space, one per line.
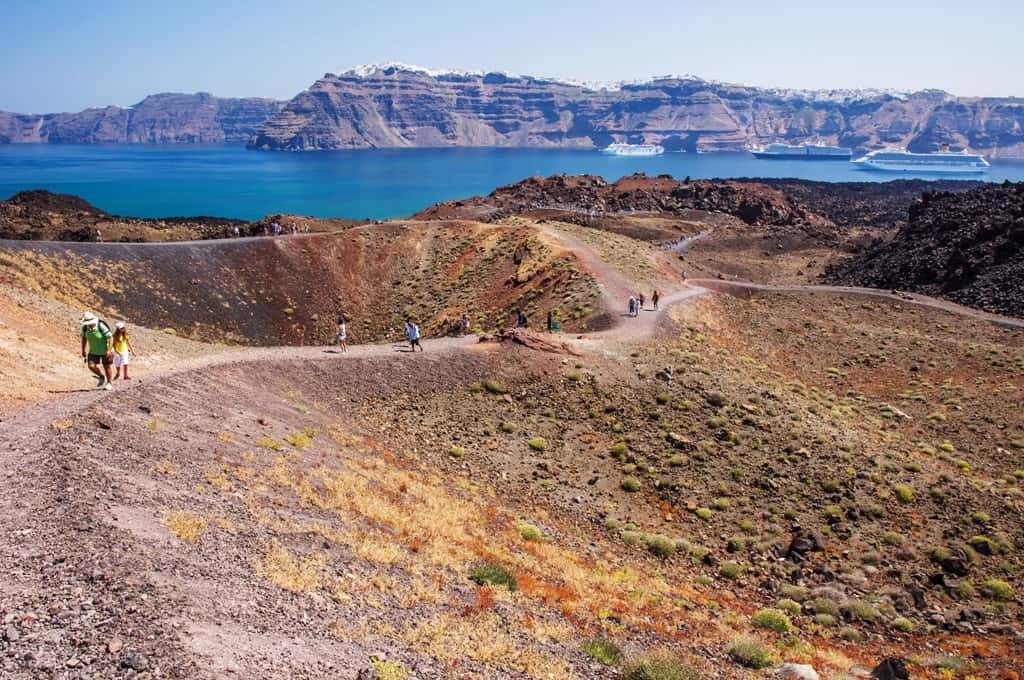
294, 573
186, 525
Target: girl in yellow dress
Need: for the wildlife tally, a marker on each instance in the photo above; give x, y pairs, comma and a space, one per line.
123, 350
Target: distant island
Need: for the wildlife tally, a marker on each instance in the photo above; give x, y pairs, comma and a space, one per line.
396, 105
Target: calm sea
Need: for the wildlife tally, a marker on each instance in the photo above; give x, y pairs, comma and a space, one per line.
229, 181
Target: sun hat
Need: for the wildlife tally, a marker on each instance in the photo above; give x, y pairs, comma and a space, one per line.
119, 325
89, 319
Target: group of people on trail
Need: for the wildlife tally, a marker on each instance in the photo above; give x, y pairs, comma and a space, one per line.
412, 332
636, 303
106, 352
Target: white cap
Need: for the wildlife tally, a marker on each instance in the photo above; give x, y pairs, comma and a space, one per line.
88, 319
119, 324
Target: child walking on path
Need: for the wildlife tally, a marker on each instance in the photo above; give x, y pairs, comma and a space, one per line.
123, 350
342, 333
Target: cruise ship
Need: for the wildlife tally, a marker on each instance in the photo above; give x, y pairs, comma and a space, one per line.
804, 152
623, 149
943, 162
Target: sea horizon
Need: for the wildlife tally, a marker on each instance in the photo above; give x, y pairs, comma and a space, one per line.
230, 181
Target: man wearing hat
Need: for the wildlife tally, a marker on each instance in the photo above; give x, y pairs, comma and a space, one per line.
99, 341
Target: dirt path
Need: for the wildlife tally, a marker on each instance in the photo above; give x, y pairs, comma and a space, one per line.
735, 287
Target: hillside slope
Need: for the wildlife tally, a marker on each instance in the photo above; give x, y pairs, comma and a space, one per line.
967, 247
400, 106
290, 290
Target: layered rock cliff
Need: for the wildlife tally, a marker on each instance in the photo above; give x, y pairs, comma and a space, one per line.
158, 119
399, 106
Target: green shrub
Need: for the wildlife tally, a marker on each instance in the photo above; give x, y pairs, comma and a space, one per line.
538, 443
493, 574
529, 532
456, 452
630, 484
851, 634
903, 625
748, 652
662, 546
604, 650
798, 593
790, 606
495, 386
660, 666
904, 492
663, 397
508, 427
704, 513
721, 504
677, 461
1000, 591
825, 606
632, 537
731, 570
772, 619
892, 538
860, 610
619, 449
825, 620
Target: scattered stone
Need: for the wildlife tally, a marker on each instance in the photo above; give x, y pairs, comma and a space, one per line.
891, 669
12, 634
135, 661
115, 645
796, 671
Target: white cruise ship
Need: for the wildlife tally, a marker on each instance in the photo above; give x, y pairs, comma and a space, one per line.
623, 149
802, 152
943, 162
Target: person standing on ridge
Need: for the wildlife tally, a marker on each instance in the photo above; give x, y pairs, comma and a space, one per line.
631, 307
99, 341
654, 299
521, 321
412, 331
642, 300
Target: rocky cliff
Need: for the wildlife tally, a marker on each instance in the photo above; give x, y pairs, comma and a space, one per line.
158, 119
396, 106
967, 247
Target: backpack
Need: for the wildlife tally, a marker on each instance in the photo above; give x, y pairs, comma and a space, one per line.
103, 327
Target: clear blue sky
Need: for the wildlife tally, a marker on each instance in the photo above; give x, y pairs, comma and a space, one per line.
64, 55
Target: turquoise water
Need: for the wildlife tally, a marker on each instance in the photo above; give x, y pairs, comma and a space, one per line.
229, 181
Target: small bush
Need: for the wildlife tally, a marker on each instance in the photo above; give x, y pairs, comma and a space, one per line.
495, 386
632, 537
509, 427
1000, 591
798, 593
663, 397
538, 443
731, 570
493, 574
389, 670
619, 449
892, 538
529, 532
750, 653
662, 546
722, 504
825, 606
904, 492
851, 634
604, 650
860, 610
772, 619
660, 666
704, 513
630, 484
790, 606
456, 452
825, 620
903, 625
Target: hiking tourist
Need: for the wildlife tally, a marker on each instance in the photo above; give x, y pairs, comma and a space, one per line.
521, 321
642, 300
342, 337
98, 340
123, 350
412, 331
464, 324
654, 299
632, 306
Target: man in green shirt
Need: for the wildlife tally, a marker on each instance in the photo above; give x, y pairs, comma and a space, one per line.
98, 348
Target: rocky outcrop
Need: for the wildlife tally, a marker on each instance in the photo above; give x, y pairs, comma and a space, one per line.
158, 119
399, 106
967, 247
